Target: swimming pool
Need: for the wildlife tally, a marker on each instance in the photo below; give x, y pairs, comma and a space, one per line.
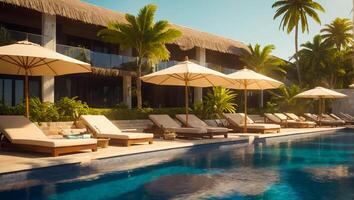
314, 168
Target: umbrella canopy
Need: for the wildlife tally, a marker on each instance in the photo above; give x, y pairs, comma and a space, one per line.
320, 93
29, 59
195, 75
246, 79
188, 74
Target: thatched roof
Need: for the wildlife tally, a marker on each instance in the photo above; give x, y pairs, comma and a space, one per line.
91, 14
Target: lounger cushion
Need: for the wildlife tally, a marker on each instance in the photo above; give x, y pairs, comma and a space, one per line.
55, 142
293, 116
19, 127
99, 124
164, 121
273, 117
195, 122
238, 118
188, 130
211, 129
106, 129
263, 126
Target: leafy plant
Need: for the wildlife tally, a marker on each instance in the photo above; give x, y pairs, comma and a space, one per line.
145, 36
216, 102
71, 108
286, 101
41, 111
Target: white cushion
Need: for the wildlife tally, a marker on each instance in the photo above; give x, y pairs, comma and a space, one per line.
17, 127
55, 142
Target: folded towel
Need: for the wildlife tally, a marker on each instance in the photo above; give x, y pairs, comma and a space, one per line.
78, 136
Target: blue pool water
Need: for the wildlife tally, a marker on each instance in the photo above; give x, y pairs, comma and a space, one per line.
315, 168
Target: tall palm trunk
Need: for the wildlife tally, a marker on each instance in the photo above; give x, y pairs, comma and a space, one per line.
138, 84
296, 53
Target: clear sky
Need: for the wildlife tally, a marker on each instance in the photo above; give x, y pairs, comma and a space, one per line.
249, 21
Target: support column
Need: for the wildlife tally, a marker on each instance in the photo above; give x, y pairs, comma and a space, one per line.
127, 93
48, 41
201, 58
127, 81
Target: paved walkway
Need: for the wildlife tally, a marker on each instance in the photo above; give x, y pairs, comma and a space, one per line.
18, 161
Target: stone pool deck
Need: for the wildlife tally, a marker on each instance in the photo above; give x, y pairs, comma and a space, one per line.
20, 161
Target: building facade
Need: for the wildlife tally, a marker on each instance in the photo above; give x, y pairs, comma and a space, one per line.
70, 28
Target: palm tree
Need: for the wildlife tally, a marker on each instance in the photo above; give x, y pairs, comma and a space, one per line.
261, 61
295, 13
339, 33
317, 56
145, 36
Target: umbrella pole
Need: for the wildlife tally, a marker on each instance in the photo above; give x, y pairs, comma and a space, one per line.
26, 94
186, 98
319, 110
245, 103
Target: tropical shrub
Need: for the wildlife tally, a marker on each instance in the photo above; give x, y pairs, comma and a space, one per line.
216, 102
285, 101
40, 111
71, 109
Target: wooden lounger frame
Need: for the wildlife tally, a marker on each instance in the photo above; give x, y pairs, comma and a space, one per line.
158, 133
237, 128
254, 130
121, 142
54, 151
128, 142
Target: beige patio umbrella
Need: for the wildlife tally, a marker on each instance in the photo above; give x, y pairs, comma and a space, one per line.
29, 59
187, 74
246, 79
320, 93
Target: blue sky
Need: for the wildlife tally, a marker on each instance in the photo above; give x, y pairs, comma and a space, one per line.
249, 21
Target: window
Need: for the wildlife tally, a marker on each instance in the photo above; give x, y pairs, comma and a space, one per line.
18, 92
7, 92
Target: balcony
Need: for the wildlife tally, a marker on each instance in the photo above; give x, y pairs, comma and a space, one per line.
97, 59
11, 36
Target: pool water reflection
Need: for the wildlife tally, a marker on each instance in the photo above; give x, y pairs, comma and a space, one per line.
315, 168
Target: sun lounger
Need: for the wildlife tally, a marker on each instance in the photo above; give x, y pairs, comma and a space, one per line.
296, 117
166, 123
347, 119
330, 118
236, 121
293, 123
345, 116
195, 122
270, 118
319, 121
20, 133
101, 127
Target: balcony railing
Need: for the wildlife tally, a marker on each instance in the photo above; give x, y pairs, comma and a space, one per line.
10, 36
97, 59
